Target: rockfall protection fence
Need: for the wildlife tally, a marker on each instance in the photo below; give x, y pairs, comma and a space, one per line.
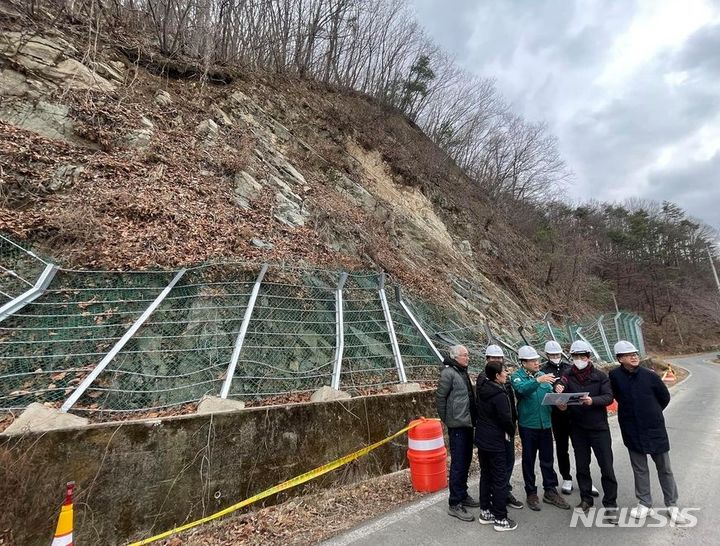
103, 341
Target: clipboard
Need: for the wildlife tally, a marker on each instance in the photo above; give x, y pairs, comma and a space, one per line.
567, 398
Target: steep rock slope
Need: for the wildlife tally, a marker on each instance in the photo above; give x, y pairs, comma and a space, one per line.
108, 164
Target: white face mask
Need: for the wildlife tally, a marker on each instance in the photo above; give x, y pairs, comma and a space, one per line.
580, 364
555, 360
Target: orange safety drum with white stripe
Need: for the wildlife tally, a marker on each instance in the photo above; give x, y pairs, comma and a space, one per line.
427, 455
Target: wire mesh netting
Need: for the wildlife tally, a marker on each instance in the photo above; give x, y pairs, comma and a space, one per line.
19, 269
109, 342
290, 341
51, 344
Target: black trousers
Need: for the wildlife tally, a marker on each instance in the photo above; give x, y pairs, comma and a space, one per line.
494, 482
537, 441
461, 449
599, 442
561, 432
510, 460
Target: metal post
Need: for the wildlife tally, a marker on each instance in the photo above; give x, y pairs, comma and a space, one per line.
14, 305
339, 332
641, 339
616, 319
597, 356
75, 396
417, 324
605, 339
241, 334
550, 329
712, 265
391, 330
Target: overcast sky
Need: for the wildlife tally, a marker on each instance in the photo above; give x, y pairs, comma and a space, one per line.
630, 87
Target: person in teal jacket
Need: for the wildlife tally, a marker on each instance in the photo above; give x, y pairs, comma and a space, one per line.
535, 425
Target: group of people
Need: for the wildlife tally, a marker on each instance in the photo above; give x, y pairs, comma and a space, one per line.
489, 414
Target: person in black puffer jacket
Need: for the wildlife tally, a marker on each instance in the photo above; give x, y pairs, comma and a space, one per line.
589, 428
494, 430
494, 353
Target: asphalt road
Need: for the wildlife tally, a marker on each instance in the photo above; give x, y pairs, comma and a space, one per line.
693, 421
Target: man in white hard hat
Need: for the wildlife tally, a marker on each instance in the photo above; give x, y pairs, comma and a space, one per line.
557, 365
456, 407
589, 429
495, 355
531, 386
642, 396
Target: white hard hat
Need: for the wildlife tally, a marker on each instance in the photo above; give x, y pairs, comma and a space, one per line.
494, 350
580, 346
623, 347
527, 353
552, 348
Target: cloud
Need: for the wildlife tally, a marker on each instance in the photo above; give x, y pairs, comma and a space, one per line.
695, 187
630, 88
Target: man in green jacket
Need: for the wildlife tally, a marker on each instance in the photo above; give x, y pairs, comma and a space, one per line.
535, 425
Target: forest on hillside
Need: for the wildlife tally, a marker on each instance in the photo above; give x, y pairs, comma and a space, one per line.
650, 256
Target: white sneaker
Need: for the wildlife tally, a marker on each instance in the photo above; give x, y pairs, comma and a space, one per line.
676, 517
567, 487
641, 511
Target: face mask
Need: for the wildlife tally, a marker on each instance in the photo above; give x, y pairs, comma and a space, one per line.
580, 364
555, 360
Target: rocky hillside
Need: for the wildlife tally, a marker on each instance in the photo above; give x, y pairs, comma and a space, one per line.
113, 159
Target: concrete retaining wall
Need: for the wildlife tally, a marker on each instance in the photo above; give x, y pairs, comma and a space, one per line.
139, 478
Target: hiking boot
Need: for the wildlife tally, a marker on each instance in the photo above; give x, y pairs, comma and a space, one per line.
567, 487
470, 502
611, 515
458, 511
594, 492
486, 517
533, 502
552, 497
512, 502
583, 507
505, 525
641, 511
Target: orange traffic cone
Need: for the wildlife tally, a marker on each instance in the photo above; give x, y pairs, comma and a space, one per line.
669, 375
64, 531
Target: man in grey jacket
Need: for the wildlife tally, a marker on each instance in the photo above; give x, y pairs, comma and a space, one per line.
456, 407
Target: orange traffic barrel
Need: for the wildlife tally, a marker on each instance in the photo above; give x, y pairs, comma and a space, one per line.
427, 455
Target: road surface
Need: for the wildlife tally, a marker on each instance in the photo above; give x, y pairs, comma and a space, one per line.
693, 422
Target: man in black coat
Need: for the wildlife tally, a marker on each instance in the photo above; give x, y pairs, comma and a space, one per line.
494, 430
642, 396
589, 430
558, 366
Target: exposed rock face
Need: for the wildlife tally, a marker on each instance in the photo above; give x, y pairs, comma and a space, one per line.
48, 60
65, 177
140, 138
246, 189
207, 130
163, 98
45, 118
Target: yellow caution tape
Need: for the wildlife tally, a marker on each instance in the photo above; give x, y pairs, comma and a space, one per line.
310, 475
